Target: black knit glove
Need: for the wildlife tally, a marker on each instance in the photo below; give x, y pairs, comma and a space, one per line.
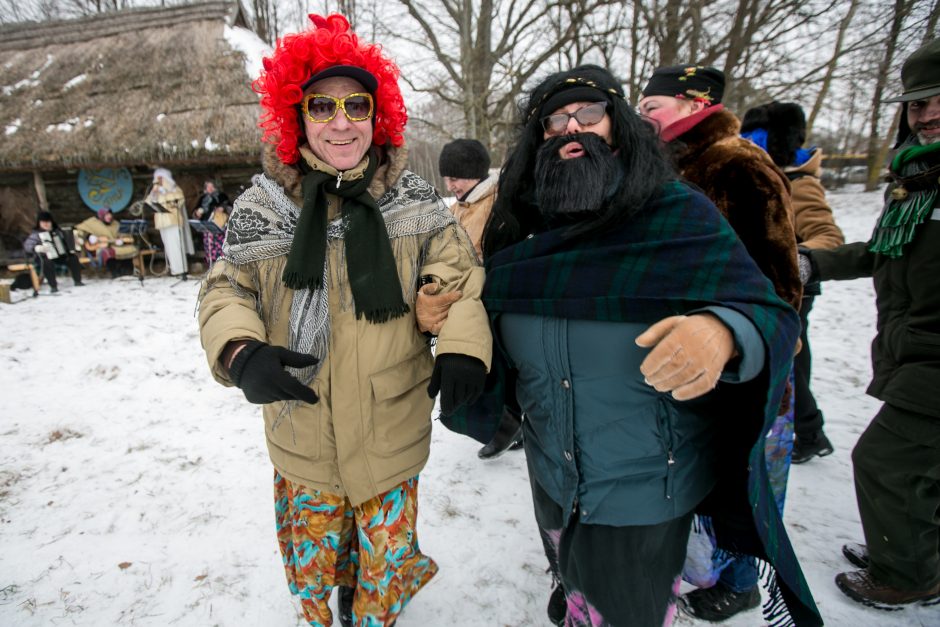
459, 379
258, 369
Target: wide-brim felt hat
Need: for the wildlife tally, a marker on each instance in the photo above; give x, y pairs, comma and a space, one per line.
920, 74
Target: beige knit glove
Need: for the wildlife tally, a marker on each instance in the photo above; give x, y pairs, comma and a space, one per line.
431, 308
688, 356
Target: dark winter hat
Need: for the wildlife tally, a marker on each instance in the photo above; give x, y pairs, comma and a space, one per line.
920, 74
464, 159
785, 124
44, 216
586, 83
690, 82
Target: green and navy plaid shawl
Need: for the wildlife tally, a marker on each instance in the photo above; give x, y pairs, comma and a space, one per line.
676, 255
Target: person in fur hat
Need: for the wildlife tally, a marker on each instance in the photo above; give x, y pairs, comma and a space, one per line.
619, 296
780, 129
309, 311
896, 461
683, 103
47, 243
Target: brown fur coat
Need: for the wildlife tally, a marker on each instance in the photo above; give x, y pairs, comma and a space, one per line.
749, 190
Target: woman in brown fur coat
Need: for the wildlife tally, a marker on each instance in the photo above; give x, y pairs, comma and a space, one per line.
684, 103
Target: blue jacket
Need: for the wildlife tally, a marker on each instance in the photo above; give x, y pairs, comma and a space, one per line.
599, 440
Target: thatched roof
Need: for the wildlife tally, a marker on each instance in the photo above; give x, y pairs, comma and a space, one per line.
141, 86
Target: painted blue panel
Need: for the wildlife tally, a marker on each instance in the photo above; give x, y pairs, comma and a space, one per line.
108, 187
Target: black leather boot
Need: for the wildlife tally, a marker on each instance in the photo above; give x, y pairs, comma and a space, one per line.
508, 434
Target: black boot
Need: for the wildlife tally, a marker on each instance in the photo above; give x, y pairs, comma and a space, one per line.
806, 448
507, 435
346, 595
557, 606
718, 603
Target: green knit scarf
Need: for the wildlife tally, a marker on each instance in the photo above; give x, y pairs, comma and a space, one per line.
370, 264
902, 215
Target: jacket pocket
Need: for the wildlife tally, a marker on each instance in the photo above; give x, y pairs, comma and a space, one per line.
920, 345
401, 409
295, 429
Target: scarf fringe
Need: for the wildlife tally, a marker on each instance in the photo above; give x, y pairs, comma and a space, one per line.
775, 607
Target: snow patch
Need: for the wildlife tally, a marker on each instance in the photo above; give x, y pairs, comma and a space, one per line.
161, 117
210, 145
13, 126
248, 43
81, 78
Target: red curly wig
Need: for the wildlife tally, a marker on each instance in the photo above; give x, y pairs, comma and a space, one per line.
299, 56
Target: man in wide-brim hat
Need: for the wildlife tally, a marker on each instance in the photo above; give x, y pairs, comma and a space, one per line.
897, 459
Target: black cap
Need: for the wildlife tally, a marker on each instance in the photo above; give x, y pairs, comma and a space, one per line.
350, 71
691, 82
464, 159
586, 83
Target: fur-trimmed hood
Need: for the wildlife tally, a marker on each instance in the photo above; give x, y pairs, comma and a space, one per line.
290, 178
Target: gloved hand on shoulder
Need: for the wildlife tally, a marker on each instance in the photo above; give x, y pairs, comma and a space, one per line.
459, 379
258, 369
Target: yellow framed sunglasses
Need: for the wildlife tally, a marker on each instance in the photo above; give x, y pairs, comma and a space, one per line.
321, 108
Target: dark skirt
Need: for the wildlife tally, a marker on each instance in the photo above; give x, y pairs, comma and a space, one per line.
625, 576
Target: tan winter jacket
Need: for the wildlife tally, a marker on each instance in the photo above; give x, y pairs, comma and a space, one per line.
371, 429
474, 210
814, 224
108, 234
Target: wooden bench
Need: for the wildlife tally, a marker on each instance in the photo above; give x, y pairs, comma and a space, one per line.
33, 275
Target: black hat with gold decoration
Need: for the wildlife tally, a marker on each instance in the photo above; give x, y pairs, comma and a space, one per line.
689, 82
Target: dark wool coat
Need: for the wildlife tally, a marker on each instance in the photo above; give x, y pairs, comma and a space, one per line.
905, 353
749, 190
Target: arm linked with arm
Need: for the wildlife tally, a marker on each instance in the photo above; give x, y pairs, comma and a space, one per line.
846, 262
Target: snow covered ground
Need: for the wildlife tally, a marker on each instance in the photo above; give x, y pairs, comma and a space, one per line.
134, 490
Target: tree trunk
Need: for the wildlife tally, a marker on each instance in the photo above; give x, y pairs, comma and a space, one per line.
830, 68
875, 153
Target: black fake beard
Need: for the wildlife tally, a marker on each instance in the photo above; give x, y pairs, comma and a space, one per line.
568, 190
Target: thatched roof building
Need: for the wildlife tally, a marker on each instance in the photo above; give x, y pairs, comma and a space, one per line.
138, 89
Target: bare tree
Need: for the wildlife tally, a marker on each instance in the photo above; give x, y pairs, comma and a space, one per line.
477, 55
831, 65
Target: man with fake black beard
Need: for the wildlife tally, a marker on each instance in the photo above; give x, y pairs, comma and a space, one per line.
620, 299
897, 459
575, 175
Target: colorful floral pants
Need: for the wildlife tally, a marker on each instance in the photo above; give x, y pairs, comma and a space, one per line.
372, 547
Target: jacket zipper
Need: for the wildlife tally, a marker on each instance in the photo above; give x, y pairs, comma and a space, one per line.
665, 429
339, 179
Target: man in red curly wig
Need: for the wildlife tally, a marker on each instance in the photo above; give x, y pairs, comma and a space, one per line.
310, 313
